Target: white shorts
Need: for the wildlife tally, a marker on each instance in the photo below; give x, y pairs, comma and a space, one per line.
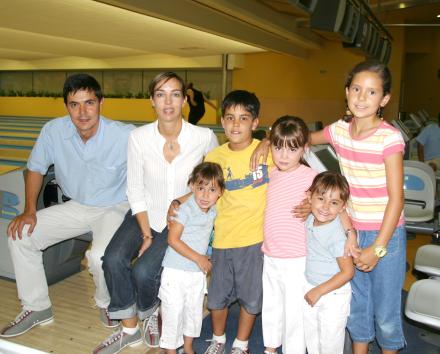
182, 294
324, 323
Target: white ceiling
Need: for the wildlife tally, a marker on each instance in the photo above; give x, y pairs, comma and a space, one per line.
118, 33
38, 29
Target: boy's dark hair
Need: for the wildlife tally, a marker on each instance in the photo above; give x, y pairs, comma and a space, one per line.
375, 66
290, 131
330, 180
165, 77
206, 172
243, 98
78, 82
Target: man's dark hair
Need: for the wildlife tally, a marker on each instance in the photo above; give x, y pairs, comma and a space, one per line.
78, 82
242, 98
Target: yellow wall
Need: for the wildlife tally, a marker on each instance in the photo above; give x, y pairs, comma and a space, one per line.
422, 70
311, 88
115, 108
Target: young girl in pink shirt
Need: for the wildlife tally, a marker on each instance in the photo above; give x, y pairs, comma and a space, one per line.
284, 245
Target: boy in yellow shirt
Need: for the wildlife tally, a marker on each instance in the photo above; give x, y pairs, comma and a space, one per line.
237, 258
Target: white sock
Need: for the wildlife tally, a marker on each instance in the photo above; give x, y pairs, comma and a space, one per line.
155, 313
242, 344
219, 339
130, 330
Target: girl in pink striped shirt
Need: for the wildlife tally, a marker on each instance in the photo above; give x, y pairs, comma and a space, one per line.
370, 154
284, 245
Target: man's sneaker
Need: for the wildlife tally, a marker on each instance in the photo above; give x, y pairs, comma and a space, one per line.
237, 350
215, 348
118, 341
106, 320
25, 321
151, 331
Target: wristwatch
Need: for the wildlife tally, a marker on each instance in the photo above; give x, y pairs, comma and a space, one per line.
380, 251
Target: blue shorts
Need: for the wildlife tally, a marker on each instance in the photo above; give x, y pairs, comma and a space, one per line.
377, 295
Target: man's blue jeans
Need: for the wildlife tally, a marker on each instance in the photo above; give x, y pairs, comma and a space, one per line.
133, 284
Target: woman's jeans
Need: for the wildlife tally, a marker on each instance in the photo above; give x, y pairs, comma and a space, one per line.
377, 295
133, 283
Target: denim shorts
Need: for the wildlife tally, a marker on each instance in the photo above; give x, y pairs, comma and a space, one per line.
377, 295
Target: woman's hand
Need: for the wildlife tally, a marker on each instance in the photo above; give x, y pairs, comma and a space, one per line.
148, 240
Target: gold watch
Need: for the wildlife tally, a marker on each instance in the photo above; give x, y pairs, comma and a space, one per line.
380, 251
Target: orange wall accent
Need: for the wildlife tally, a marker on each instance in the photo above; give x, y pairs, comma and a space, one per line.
32, 106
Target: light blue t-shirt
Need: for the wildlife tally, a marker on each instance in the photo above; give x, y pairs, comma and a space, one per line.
324, 244
430, 139
197, 227
92, 173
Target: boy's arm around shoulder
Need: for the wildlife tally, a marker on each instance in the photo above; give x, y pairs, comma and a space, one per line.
174, 240
345, 274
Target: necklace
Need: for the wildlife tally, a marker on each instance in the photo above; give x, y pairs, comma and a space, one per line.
171, 144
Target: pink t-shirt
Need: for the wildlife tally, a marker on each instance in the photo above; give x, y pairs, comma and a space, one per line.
362, 162
284, 235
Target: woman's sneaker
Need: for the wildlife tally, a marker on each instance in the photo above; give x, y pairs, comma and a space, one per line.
118, 341
25, 321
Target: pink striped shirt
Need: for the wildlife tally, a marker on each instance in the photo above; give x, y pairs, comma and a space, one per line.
362, 162
284, 235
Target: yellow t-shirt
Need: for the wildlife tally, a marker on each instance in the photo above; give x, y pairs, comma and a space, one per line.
240, 210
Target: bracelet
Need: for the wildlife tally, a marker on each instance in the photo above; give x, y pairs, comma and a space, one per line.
347, 232
177, 201
147, 236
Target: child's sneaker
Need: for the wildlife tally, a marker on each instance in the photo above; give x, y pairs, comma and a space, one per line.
151, 331
215, 348
117, 341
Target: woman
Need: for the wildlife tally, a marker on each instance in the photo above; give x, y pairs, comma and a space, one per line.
161, 156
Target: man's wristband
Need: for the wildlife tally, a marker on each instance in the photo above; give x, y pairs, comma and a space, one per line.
147, 236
